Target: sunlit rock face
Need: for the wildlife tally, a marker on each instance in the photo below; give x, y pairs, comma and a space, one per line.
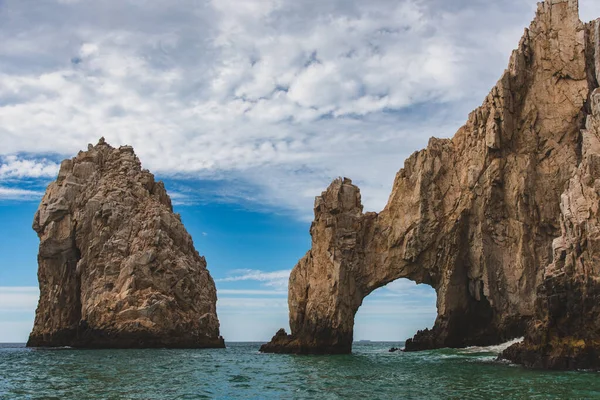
565, 333
116, 266
474, 216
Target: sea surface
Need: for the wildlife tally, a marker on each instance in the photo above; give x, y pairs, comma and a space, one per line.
241, 372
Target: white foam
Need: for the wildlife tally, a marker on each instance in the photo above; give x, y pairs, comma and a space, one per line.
498, 348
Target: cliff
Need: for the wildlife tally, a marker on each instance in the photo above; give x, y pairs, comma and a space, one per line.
565, 331
474, 216
116, 266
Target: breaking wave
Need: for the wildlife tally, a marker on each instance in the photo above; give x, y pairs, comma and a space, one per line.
497, 349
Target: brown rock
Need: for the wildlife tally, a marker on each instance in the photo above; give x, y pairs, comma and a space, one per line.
116, 266
565, 333
473, 216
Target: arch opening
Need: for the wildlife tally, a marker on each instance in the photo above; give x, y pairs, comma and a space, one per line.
395, 312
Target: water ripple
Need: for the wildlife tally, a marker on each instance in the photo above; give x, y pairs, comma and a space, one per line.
241, 372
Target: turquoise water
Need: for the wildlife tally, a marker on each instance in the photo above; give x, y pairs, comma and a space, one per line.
240, 371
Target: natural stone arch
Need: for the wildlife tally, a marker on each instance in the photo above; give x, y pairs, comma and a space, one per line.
395, 312
473, 216
351, 258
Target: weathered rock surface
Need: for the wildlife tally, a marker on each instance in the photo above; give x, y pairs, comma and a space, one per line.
116, 266
474, 216
565, 333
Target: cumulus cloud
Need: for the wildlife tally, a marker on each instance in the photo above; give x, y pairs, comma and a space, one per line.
15, 167
281, 96
23, 178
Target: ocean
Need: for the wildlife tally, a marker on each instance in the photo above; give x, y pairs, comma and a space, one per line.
241, 372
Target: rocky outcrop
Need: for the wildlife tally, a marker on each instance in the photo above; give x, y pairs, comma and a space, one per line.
565, 333
474, 216
116, 266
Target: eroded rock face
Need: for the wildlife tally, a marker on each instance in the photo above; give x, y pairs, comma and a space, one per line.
473, 216
565, 333
116, 266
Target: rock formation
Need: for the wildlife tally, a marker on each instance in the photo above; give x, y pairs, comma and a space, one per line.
116, 266
474, 216
565, 332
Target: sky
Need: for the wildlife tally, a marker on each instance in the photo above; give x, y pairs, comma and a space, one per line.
247, 111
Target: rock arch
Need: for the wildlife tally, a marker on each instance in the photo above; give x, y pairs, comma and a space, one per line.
473, 216
394, 311
352, 255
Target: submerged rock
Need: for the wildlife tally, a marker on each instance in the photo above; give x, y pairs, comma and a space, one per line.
474, 216
116, 265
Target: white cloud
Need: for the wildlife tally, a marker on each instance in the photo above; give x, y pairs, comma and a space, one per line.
252, 292
88, 50
277, 279
181, 199
7, 193
21, 178
18, 299
252, 304
406, 288
389, 307
14, 167
277, 95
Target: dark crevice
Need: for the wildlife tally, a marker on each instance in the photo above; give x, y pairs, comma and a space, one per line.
77, 277
590, 64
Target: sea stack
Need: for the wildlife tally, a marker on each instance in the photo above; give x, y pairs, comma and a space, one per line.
501, 220
117, 269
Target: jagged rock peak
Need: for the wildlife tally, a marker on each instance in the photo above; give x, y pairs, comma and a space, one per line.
340, 196
116, 266
474, 216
